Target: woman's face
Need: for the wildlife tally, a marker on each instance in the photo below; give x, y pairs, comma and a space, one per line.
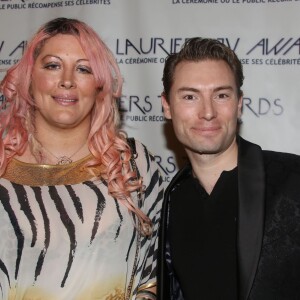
63, 85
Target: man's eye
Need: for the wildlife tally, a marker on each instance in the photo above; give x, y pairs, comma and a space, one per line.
222, 96
188, 97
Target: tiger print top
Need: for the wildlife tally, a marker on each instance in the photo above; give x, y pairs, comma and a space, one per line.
62, 237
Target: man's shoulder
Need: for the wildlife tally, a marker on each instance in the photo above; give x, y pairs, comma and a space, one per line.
269, 156
282, 158
282, 170
182, 174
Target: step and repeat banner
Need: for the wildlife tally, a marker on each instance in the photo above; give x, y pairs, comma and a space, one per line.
141, 33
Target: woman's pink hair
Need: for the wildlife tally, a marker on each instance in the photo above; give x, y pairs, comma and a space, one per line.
106, 142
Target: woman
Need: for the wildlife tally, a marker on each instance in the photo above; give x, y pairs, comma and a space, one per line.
79, 207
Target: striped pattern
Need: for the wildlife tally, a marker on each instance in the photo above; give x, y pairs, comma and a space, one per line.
75, 241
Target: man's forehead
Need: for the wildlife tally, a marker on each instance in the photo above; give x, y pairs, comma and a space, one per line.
200, 62
206, 69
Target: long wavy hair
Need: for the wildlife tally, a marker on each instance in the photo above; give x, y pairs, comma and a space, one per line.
106, 141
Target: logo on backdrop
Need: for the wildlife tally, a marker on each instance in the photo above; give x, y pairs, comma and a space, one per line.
263, 51
2, 101
220, 2
283, 51
167, 167
140, 108
32, 4
147, 109
11, 52
263, 106
155, 49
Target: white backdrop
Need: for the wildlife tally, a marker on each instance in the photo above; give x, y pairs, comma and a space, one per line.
264, 33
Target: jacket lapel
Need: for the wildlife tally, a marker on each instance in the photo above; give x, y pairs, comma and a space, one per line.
165, 276
251, 178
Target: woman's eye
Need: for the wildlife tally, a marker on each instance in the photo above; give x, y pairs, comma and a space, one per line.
51, 66
84, 69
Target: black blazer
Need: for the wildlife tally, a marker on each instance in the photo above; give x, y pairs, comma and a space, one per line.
268, 233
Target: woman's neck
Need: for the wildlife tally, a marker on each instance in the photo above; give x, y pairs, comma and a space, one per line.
56, 147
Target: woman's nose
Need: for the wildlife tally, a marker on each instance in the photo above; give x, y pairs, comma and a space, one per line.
67, 80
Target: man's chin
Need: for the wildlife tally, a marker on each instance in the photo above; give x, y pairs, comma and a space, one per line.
204, 150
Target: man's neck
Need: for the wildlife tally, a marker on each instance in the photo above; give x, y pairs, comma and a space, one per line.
207, 168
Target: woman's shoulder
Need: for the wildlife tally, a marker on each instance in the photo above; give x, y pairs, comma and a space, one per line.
143, 147
144, 158
141, 151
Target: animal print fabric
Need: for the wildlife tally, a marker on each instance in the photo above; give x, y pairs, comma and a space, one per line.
74, 241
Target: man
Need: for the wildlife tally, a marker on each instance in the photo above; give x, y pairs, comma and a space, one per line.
230, 224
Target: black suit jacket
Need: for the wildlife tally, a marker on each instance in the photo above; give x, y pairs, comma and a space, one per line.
268, 230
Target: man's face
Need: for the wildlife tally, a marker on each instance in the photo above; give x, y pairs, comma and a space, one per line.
204, 106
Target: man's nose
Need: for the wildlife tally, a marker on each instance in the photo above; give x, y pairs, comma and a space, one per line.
208, 110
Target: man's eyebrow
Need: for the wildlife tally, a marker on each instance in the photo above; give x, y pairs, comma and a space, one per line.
188, 89
195, 90
223, 87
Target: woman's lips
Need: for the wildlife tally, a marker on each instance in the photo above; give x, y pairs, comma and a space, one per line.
65, 100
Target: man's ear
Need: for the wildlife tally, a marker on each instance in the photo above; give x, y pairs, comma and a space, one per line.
240, 107
166, 106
